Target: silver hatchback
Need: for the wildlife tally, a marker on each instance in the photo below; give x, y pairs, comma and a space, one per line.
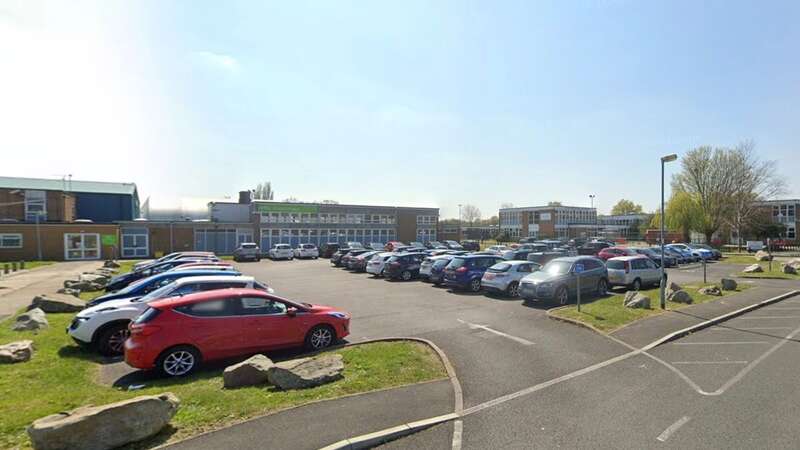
504, 277
633, 271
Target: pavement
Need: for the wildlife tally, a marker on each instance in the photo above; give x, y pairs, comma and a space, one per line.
17, 291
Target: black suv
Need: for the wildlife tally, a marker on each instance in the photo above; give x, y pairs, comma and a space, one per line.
471, 245
328, 249
404, 266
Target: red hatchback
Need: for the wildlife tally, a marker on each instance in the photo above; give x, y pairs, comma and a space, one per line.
174, 335
612, 252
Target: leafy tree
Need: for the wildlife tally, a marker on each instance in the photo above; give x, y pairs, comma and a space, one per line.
502, 236
470, 213
264, 191
626, 207
683, 214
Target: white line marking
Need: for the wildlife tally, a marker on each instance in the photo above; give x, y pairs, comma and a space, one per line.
458, 429
721, 343
709, 362
499, 333
765, 328
672, 428
768, 317
785, 308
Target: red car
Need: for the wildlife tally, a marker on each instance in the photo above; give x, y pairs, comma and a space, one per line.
174, 335
613, 252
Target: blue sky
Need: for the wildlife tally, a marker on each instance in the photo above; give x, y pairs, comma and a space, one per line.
409, 103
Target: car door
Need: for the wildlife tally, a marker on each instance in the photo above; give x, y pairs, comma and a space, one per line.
215, 327
592, 272
269, 325
652, 271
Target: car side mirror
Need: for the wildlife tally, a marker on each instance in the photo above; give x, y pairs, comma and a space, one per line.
291, 312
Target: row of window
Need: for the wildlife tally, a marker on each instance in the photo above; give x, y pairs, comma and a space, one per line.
588, 216
35, 206
783, 211
10, 240
426, 220
369, 219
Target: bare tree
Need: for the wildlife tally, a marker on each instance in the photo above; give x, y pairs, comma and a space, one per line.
554, 204
264, 191
291, 200
470, 213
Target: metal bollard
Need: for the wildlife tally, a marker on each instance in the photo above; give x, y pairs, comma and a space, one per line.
22, 265
5, 268
14, 266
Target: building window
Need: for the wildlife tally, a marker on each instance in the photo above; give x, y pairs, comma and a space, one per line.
35, 205
10, 240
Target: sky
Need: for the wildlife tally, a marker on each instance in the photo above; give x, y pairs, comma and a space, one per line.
395, 103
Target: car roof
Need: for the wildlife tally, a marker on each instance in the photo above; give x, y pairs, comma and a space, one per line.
477, 256
627, 258
185, 273
207, 278
573, 259
516, 262
217, 294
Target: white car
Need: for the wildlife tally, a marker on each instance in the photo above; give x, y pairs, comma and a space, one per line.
281, 251
633, 271
105, 326
376, 264
497, 249
306, 251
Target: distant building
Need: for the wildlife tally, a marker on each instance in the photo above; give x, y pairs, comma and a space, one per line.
622, 226
549, 222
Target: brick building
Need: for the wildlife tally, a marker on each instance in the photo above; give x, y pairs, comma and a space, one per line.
549, 222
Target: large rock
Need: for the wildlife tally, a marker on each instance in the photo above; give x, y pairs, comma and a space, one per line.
94, 278
69, 291
111, 264
680, 296
710, 290
83, 286
31, 320
674, 287
104, 427
250, 372
761, 255
755, 268
789, 269
17, 351
306, 372
728, 284
794, 262
57, 303
634, 299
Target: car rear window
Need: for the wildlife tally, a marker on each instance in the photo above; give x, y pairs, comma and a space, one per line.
282, 246
309, 246
248, 245
615, 265
393, 259
457, 262
500, 267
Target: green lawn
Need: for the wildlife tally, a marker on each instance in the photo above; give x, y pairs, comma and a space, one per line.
62, 376
738, 258
775, 273
607, 313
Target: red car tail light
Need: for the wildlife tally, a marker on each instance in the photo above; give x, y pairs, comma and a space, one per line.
144, 330
461, 269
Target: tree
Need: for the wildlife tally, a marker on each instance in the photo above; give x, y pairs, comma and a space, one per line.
502, 237
506, 205
683, 214
554, 204
291, 200
470, 213
626, 207
264, 191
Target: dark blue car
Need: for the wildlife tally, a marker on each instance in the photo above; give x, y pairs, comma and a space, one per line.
149, 284
465, 272
121, 281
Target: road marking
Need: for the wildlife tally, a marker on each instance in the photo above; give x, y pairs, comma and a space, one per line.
475, 326
785, 308
720, 343
768, 317
709, 362
672, 428
764, 328
458, 429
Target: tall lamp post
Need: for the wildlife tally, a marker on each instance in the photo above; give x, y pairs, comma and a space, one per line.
591, 200
663, 283
459, 222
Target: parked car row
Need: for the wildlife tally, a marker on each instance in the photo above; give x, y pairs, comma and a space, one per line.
171, 317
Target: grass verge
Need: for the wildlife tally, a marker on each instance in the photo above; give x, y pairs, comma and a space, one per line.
733, 258
608, 313
61, 376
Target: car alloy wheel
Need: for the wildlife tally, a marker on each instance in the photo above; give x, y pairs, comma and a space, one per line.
406, 275
562, 296
637, 284
112, 340
178, 362
475, 285
513, 289
319, 338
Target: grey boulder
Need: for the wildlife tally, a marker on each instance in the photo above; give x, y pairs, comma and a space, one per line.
710, 290
83, 286
728, 284
755, 268
679, 297
794, 262
306, 372
69, 291
17, 351
93, 278
250, 372
31, 321
761, 255
111, 264
104, 427
634, 299
789, 269
57, 303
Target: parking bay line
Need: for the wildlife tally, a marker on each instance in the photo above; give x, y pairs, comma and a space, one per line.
767, 317
687, 363
672, 428
475, 326
721, 343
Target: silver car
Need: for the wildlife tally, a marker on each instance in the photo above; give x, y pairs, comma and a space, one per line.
633, 271
427, 264
504, 277
376, 264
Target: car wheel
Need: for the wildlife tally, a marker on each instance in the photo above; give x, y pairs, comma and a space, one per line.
636, 285
406, 275
111, 341
602, 287
320, 337
513, 289
562, 296
178, 361
475, 285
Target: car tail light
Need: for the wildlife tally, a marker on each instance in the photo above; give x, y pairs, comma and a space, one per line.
461, 269
144, 330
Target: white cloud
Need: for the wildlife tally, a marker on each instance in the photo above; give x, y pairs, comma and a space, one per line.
218, 61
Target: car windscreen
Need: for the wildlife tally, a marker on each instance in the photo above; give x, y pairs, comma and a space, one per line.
249, 245
615, 265
158, 293
557, 267
393, 259
499, 267
282, 247
441, 263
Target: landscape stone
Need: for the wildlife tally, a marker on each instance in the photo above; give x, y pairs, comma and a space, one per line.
755, 268
32, 320
634, 299
57, 303
104, 427
83, 286
306, 372
789, 269
17, 351
250, 372
679, 297
794, 262
761, 255
728, 284
69, 291
93, 278
111, 264
710, 290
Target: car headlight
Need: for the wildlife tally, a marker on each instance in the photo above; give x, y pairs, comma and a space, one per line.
82, 318
339, 315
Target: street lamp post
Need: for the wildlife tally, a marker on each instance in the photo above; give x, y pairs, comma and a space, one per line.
459, 222
591, 200
663, 283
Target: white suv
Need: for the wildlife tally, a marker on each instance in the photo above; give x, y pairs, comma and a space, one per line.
281, 251
306, 251
376, 264
105, 326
